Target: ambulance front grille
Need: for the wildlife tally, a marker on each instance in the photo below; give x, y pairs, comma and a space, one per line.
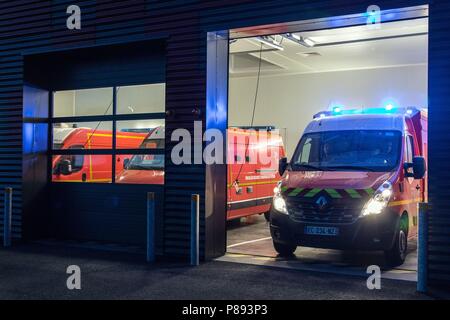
336, 212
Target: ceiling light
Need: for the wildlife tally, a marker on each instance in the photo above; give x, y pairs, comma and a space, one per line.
269, 42
307, 42
309, 54
296, 37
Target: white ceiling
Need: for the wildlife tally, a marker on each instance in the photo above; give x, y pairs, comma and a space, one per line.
407, 45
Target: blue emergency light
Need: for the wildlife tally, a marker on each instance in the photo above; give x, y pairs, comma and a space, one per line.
387, 109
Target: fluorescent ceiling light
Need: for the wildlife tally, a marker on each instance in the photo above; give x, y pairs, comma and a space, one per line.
269, 42
307, 42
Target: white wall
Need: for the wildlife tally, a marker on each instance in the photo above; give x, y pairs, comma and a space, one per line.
291, 101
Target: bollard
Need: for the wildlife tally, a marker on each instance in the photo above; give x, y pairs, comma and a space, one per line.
195, 215
150, 226
7, 218
422, 256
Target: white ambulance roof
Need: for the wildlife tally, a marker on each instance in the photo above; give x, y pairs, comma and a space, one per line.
357, 122
158, 133
60, 134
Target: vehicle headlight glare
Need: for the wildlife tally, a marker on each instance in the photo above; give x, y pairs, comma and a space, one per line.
279, 204
379, 201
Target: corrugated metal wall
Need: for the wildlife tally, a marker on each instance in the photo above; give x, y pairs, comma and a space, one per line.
439, 145
40, 26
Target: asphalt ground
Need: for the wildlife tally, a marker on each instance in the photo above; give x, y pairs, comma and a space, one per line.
36, 271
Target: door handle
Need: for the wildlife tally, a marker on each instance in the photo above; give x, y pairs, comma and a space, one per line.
83, 177
417, 187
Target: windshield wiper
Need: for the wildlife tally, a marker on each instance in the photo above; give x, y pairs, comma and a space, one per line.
141, 167
356, 168
308, 166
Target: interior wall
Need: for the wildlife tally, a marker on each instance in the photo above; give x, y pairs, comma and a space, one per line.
290, 101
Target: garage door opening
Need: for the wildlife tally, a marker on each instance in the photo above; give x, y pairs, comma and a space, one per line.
97, 147
347, 98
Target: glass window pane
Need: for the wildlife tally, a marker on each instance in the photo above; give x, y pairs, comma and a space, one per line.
86, 102
82, 168
147, 98
141, 169
82, 135
142, 134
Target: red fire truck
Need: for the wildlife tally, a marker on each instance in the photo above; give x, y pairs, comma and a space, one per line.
250, 179
89, 168
354, 182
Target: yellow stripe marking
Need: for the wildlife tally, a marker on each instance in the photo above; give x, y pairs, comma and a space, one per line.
403, 202
93, 180
110, 135
254, 183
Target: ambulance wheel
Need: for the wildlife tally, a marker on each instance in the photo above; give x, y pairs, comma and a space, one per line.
284, 250
397, 254
267, 216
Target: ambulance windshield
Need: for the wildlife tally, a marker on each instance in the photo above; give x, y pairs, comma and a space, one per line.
355, 150
148, 161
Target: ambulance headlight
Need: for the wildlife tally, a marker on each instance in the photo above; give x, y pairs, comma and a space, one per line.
279, 204
379, 201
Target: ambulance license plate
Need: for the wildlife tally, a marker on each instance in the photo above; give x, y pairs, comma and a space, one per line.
321, 231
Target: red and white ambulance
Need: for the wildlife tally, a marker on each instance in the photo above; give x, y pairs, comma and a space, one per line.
354, 182
253, 157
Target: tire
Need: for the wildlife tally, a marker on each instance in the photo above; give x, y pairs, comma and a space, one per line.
397, 254
284, 250
267, 216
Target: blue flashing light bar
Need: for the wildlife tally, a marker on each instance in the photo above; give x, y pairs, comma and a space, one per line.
388, 109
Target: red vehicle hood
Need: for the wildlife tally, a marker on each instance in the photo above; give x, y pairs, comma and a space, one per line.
335, 179
141, 176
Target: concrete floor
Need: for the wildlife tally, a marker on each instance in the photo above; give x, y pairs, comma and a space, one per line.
249, 242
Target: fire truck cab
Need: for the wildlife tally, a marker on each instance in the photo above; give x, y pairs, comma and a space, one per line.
354, 182
89, 168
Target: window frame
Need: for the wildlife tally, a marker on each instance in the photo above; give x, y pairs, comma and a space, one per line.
113, 117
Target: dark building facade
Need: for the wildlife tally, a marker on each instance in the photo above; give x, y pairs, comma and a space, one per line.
149, 41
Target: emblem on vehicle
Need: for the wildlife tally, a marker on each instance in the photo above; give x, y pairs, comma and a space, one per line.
322, 202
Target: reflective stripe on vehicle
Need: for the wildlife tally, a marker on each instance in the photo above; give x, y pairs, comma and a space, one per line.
312, 193
353, 193
333, 193
295, 192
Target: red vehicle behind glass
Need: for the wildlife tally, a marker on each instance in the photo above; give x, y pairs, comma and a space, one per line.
250, 182
89, 168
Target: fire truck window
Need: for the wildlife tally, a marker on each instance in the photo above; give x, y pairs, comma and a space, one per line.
142, 169
147, 98
140, 134
75, 161
86, 102
409, 149
82, 168
82, 135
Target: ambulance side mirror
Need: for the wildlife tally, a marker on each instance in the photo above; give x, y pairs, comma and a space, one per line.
282, 166
418, 167
65, 167
126, 162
